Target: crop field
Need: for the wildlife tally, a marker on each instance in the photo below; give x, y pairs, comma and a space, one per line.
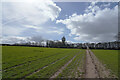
109, 58
75, 69
36, 62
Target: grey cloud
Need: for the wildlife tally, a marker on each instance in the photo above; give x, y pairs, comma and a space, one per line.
37, 38
17, 39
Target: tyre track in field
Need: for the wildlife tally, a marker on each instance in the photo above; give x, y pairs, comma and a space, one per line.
91, 71
5, 70
94, 68
103, 72
62, 68
43, 67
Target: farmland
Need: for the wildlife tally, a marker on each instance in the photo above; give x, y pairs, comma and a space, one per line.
109, 58
75, 69
22, 62
39, 62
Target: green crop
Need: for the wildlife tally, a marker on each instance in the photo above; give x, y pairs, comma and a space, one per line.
73, 70
20, 62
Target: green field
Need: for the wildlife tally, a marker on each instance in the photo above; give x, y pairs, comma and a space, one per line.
38, 62
27, 62
109, 58
75, 69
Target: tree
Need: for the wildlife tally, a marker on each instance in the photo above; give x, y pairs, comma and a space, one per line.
63, 40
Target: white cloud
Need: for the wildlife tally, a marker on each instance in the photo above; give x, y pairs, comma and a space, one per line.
21, 18
93, 26
18, 16
36, 12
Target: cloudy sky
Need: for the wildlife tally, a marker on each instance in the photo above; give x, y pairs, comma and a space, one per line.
45, 19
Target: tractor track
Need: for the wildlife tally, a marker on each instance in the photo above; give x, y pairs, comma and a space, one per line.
91, 71
103, 72
94, 68
43, 67
62, 68
5, 70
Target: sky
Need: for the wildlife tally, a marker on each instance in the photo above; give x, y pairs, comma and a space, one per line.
47, 20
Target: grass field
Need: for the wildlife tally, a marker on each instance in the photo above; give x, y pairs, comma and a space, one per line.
37, 62
75, 68
22, 62
109, 58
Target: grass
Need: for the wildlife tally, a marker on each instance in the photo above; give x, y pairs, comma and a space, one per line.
52, 68
20, 61
73, 69
109, 58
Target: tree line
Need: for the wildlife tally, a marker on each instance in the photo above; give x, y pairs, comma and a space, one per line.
64, 44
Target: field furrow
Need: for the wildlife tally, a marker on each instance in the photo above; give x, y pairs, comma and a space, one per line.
36, 62
63, 67
17, 65
51, 69
26, 55
42, 68
43, 60
75, 68
30, 67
